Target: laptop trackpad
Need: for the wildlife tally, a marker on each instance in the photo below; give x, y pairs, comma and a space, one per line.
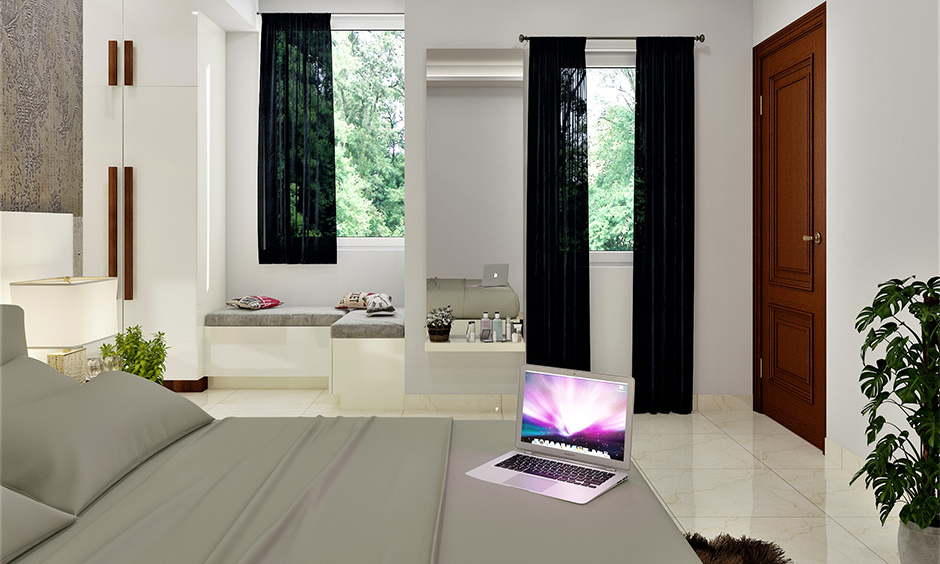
531, 483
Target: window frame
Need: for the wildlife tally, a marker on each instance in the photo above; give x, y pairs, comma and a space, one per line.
368, 22
610, 54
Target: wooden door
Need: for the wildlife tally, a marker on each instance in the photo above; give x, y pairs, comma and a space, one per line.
790, 226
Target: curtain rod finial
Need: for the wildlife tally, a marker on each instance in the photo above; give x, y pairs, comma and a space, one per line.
700, 38
522, 38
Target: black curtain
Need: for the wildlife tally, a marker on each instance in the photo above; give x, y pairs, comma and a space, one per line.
296, 170
558, 331
664, 210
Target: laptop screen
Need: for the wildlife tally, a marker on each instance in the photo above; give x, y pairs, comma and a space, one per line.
575, 414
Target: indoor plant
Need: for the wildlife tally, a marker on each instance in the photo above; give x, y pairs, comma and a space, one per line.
903, 325
138, 355
438, 323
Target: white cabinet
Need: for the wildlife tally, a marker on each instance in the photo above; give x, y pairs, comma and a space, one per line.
151, 127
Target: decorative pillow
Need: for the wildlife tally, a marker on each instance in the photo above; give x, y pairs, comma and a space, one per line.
66, 449
354, 300
25, 522
379, 304
254, 302
26, 379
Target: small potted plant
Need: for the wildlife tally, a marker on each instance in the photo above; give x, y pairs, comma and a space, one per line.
905, 464
138, 355
439, 321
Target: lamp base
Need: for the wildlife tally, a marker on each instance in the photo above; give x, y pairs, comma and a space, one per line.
71, 362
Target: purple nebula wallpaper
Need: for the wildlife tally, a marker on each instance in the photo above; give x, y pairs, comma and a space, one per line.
575, 414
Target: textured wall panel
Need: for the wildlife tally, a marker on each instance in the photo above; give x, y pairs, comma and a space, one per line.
41, 104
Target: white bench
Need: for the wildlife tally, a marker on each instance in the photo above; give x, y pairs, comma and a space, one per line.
286, 341
369, 361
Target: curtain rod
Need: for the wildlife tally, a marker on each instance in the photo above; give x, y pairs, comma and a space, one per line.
524, 38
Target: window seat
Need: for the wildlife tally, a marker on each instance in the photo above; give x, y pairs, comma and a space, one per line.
369, 361
281, 316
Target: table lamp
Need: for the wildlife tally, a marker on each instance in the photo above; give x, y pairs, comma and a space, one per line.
67, 313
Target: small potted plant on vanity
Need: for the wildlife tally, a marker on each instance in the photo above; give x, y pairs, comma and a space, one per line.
439, 322
903, 324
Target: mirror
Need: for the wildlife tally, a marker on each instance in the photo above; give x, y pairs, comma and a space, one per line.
475, 170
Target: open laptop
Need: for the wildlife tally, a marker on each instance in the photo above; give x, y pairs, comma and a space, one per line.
495, 275
574, 426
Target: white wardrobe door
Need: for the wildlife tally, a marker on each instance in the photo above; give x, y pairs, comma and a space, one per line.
102, 21
160, 143
103, 147
164, 33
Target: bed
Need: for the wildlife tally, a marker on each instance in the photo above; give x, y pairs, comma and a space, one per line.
122, 470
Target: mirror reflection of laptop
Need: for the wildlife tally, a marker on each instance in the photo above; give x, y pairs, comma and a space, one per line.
495, 275
574, 431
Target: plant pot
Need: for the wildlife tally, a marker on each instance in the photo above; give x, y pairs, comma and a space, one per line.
439, 334
918, 546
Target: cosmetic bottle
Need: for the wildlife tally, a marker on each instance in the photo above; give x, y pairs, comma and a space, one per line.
497, 328
486, 327
471, 332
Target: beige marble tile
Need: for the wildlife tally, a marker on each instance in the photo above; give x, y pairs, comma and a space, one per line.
208, 398
223, 410
272, 398
457, 415
785, 451
829, 489
691, 451
743, 492
745, 423
814, 540
717, 402
882, 539
673, 424
452, 402
327, 399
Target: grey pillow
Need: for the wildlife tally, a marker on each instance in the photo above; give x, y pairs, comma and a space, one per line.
379, 304
25, 522
66, 449
26, 379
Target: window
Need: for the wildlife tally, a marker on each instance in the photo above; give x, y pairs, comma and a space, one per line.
368, 112
611, 91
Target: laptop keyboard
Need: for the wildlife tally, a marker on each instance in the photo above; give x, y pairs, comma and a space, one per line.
560, 471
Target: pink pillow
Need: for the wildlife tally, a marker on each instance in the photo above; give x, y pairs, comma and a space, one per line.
254, 302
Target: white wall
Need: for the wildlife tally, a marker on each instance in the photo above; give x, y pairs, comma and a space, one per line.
883, 168
475, 176
770, 16
210, 253
723, 175
371, 269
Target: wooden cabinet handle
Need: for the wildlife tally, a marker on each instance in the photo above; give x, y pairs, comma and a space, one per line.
128, 63
128, 233
112, 63
112, 221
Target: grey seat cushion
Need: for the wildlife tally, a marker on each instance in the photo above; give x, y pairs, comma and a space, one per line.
280, 316
357, 325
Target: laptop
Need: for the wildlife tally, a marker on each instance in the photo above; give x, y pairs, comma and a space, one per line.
495, 275
573, 435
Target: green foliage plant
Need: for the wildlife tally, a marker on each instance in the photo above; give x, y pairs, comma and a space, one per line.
138, 355
902, 324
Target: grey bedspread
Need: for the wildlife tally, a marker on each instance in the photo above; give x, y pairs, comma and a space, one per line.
272, 490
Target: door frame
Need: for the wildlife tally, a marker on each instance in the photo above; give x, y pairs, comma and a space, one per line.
802, 26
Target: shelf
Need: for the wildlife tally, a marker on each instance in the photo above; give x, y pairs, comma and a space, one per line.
459, 344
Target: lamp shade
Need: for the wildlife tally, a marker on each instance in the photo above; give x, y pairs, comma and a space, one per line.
67, 312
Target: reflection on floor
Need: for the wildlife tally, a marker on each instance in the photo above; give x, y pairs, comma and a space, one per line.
715, 471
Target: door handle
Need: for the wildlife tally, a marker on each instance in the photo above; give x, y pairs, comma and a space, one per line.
817, 238
128, 233
128, 63
112, 63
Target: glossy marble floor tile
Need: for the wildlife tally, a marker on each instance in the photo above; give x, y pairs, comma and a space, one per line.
721, 469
